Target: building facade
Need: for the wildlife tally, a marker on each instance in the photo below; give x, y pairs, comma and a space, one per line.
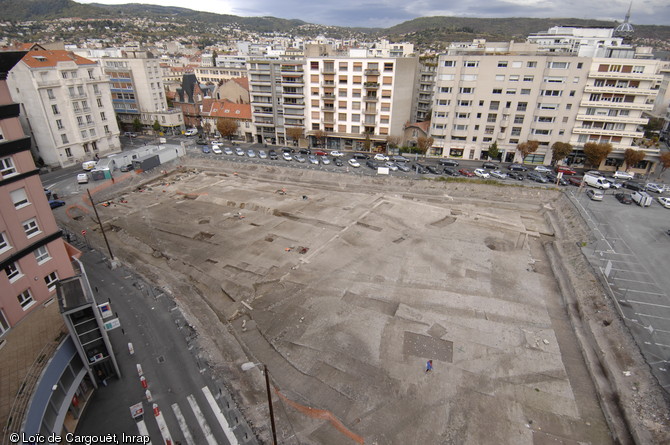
67, 107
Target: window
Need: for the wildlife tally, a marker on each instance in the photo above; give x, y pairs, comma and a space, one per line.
50, 93
572, 93
102, 116
30, 227
531, 64
445, 89
446, 77
96, 90
497, 91
494, 105
525, 91
554, 79
4, 325
510, 91
59, 124
19, 198
544, 119
99, 102
502, 64
68, 152
638, 69
517, 64
528, 78
449, 63
13, 272
547, 106
89, 119
63, 138
443, 102
4, 242
514, 78
558, 65
314, 65
518, 119
41, 254
492, 117
551, 93
469, 77
25, 299
51, 281
464, 103
568, 107
462, 115
467, 90
516, 131
500, 77
580, 65
64, 74
7, 168
106, 127
521, 106
54, 109
460, 127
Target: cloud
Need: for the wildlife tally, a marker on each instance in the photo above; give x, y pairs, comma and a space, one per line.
377, 13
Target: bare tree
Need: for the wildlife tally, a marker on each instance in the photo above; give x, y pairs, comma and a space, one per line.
320, 137
632, 157
665, 161
227, 127
596, 152
526, 148
423, 143
294, 133
393, 141
560, 151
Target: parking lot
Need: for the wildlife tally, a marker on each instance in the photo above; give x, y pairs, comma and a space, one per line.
633, 252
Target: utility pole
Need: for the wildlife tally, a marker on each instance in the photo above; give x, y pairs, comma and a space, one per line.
272, 415
111, 255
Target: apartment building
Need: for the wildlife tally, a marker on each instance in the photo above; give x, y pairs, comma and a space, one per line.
506, 93
617, 95
277, 91
583, 42
41, 372
426, 86
354, 99
138, 93
66, 107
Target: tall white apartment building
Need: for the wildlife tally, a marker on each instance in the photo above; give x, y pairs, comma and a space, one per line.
616, 97
66, 107
584, 42
277, 91
352, 99
505, 93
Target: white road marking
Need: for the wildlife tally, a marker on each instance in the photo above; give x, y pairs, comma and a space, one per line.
201, 420
638, 291
632, 281
220, 417
162, 426
142, 428
631, 270
652, 316
649, 304
183, 425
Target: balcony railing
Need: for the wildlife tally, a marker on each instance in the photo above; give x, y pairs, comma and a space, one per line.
371, 85
372, 72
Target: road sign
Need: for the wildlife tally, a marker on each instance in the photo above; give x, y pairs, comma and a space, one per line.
105, 310
136, 410
112, 324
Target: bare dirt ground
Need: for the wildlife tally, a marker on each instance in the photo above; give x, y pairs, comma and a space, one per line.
346, 294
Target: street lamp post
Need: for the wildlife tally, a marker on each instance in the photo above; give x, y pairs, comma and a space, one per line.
249, 365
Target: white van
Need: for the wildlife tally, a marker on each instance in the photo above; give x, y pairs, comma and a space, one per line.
598, 182
89, 165
641, 198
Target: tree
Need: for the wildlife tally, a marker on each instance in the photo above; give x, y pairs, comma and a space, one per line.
227, 127
367, 143
526, 148
320, 137
137, 124
294, 133
156, 126
393, 141
632, 157
665, 161
494, 152
560, 151
423, 143
596, 152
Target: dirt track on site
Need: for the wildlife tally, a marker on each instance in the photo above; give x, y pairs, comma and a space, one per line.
345, 294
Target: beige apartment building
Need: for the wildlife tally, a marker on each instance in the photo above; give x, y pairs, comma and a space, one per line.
352, 99
66, 107
510, 92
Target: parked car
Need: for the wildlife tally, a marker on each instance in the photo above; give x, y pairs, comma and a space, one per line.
338, 162
553, 177
432, 170
420, 169
399, 158
489, 165
288, 150
262, 154
216, 150
466, 172
272, 154
498, 174
596, 181
653, 187
403, 167
251, 153
517, 168
450, 171
201, 142
227, 150
595, 195
575, 180
537, 177
82, 178
643, 199
287, 156
130, 134
664, 201
324, 160
380, 157
56, 203
632, 185
126, 168
361, 156
354, 163
391, 166
371, 164
299, 158
542, 169
623, 198
622, 175
448, 162
516, 175
191, 132
336, 154
305, 151
614, 184
480, 172
320, 153
313, 160
565, 170
239, 151
206, 150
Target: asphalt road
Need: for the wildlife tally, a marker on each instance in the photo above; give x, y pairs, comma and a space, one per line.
633, 254
191, 404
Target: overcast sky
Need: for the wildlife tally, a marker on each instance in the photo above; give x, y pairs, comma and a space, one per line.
385, 13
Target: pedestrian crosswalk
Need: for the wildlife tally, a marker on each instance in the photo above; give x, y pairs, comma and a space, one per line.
174, 427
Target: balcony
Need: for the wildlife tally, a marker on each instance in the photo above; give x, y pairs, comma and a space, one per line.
370, 98
371, 85
293, 94
603, 132
632, 76
370, 111
264, 123
617, 105
292, 71
263, 112
263, 81
613, 119
292, 80
371, 72
328, 96
502, 135
328, 70
328, 83
619, 90
294, 104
